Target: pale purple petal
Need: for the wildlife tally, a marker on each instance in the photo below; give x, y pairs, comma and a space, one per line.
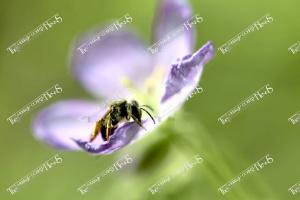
124, 135
61, 122
175, 41
115, 56
184, 77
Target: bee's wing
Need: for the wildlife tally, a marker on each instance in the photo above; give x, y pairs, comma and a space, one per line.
94, 116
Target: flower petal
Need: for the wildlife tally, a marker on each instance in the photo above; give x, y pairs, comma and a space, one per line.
170, 18
124, 135
108, 61
59, 123
184, 77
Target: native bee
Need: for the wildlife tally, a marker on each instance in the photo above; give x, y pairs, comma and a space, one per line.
119, 111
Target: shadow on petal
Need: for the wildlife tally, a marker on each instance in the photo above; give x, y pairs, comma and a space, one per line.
122, 137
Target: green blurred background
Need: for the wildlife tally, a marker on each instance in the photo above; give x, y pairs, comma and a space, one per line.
263, 128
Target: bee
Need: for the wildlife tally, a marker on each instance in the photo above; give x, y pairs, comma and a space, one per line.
119, 111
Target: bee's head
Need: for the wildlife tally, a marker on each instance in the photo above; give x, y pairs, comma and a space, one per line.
134, 103
135, 109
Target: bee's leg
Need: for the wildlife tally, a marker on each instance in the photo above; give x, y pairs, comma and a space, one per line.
136, 120
109, 126
96, 131
97, 128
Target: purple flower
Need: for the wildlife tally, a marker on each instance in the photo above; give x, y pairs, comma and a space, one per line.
119, 64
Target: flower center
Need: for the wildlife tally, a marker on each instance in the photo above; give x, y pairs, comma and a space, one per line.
151, 91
